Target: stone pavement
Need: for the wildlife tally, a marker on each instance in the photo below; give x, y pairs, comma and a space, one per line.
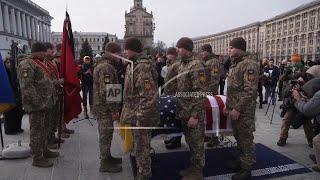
79, 158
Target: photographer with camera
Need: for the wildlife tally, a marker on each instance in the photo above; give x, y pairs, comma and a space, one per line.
310, 107
289, 113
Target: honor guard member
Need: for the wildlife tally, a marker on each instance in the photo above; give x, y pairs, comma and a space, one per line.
141, 104
54, 117
35, 80
104, 75
191, 89
214, 68
241, 105
170, 88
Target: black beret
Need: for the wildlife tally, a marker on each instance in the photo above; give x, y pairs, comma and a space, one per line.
113, 47
38, 47
239, 43
185, 43
133, 44
207, 48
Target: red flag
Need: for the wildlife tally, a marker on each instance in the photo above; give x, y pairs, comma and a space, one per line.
69, 70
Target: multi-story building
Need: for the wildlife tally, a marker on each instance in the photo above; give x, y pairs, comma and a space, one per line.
139, 24
95, 39
295, 31
24, 22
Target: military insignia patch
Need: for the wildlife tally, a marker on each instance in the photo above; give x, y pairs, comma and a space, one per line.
106, 79
202, 77
251, 75
147, 85
25, 74
214, 71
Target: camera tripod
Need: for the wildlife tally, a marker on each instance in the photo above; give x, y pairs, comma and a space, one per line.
273, 94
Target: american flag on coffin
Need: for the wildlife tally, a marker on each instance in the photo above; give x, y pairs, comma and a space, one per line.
216, 122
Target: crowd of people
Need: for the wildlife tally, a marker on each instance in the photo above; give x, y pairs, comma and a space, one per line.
178, 71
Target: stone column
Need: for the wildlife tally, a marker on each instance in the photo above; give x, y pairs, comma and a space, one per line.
49, 33
33, 28
44, 32
40, 31
37, 29
13, 21
24, 25
19, 23
1, 19
6, 19
28, 27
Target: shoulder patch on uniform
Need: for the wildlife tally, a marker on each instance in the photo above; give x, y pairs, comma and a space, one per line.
215, 70
202, 77
251, 77
107, 79
147, 85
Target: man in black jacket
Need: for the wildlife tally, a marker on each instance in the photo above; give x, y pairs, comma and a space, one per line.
272, 73
86, 75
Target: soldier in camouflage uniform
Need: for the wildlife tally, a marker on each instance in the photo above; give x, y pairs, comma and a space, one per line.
35, 80
170, 88
241, 104
191, 89
141, 104
54, 111
105, 73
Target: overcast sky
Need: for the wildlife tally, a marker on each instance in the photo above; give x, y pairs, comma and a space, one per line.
173, 18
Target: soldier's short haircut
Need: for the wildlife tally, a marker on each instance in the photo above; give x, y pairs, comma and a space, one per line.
133, 44
207, 48
48, 46
172, 51
185, 43
38, 47
113, 47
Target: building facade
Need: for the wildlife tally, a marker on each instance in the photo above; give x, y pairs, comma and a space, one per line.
24, 22
139, 24
95, 39
295, 31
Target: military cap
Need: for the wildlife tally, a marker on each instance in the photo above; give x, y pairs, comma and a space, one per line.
113, 47
239, 43
133, 44
38, 47
185, 43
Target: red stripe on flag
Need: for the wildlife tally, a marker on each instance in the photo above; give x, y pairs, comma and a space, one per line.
223, 118
208, 109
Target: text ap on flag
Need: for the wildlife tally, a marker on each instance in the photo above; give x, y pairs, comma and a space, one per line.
113, 93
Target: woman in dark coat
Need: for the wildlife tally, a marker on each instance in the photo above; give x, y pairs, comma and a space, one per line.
13, 118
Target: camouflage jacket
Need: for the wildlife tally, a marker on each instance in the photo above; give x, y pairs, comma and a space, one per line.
141, 96
105, 73
243, 82
191, 86
37, 88
171, 83
215, 70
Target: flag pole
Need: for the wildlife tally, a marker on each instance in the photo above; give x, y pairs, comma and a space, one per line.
2, 144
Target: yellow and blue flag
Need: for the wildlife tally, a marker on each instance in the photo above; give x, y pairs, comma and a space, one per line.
6, 93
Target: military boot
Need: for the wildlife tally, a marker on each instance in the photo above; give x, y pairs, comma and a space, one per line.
51, 154
56, 140
195, 174
42, 162
68, 131
282, 142
260, 106
53, 146
106, 165
186, 171
242, 175
115, 160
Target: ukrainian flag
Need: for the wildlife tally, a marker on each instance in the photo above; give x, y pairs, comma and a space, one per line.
6, 94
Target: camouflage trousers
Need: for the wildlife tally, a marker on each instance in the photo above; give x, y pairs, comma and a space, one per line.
38, 141
52, 122
195, 140
243, 129
286, 126
105, 128
142, 139
316, 147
